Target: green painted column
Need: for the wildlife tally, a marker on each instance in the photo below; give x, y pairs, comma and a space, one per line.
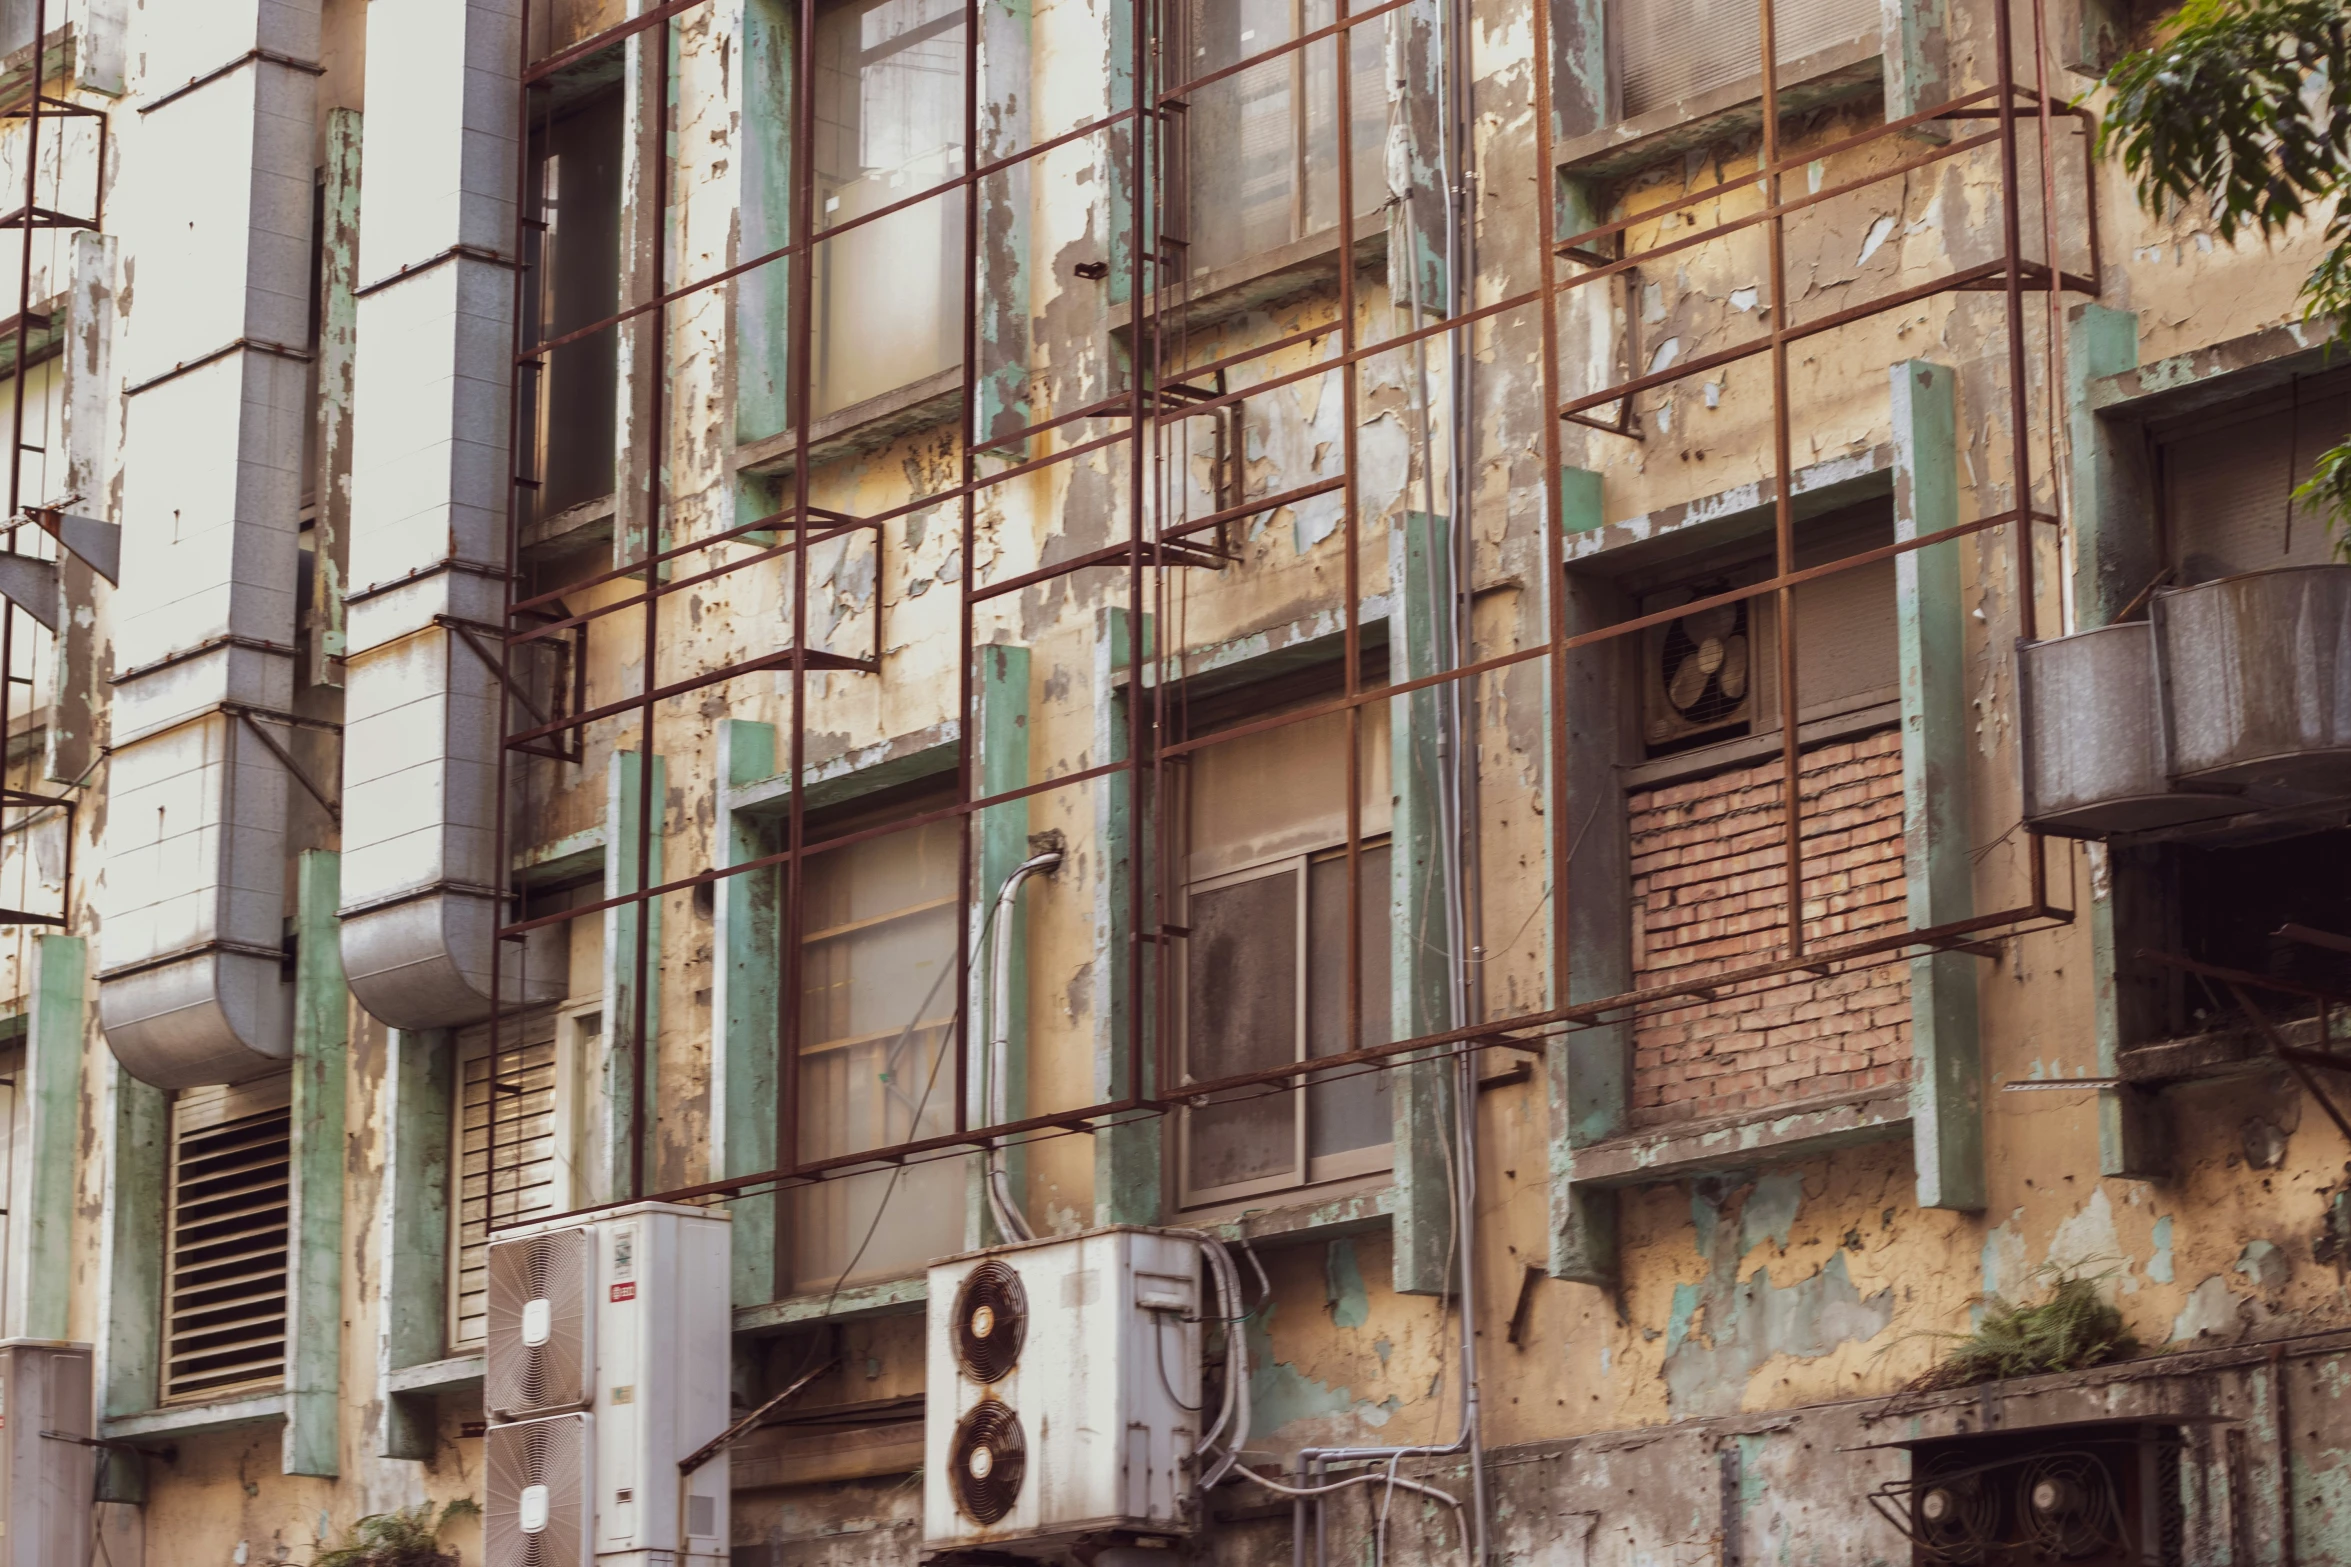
1006, 80
1917, 60
138, 1132
1001, 841
624, 1120
314, 1304
761, 314
1947, 1088
1128, 1172
1419, 952
2114, 559
420, 1091
1581, 99
1587, 1069
43, 1214
338, 336
748, 981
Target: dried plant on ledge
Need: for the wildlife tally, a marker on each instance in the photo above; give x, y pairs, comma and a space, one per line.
408, 1537
2075, 1327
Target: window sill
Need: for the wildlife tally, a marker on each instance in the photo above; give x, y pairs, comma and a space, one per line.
1795, 1131
1262, 279
2214, 1055
457, 1374
573, 528
196, 1419
884, 1298
1834, 75
860, 427
1864, 713
1368, 1203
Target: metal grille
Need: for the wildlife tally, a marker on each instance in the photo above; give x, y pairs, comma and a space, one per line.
231, 1194
505, 1163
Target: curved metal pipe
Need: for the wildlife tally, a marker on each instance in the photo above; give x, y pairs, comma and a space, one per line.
1011, 1223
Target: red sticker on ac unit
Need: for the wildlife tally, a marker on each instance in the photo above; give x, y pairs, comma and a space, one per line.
624, 1292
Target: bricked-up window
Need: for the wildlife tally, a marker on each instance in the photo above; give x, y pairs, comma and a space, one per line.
1265, 965
1256, 165
877, 1020
1706, 818
228, 1207
889, 125
509, 1145
574, 256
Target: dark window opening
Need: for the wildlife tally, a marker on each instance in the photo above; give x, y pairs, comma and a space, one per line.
2226, 906
573, 253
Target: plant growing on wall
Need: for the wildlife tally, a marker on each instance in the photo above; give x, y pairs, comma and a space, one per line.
2244, 108
408, 1537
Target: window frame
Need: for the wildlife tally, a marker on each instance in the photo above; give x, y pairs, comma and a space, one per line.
1307, 1169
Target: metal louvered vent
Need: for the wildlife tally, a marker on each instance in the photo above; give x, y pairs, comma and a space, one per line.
225, 1305
506, 1161
991, 1319
986, 1461
536, 1354
538, 1481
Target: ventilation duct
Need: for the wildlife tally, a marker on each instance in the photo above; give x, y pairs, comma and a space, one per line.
428, 505
215, 215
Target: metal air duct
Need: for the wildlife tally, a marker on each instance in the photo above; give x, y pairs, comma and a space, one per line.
428, 507
215, 204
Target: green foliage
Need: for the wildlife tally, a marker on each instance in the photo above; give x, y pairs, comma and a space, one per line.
2244, 108
410, 1537
2074, 1327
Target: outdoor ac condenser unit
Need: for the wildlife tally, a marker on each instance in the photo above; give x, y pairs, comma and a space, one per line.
606, 1361
46, 1478
1063, 1392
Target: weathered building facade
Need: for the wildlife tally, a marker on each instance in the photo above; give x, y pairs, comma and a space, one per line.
917, 620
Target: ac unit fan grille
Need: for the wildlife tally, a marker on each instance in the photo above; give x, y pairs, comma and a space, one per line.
538, 1482
520, 1377
986, 1461
991, 1321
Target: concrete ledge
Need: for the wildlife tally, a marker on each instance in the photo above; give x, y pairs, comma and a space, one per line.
1832, 75
1797, 1131
1303, 1223
2216, 374
890, 1297
1266, 278
861, 427
459, 1373
1742, 511
196, 1419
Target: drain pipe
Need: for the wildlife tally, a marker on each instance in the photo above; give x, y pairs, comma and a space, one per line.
1011, 1223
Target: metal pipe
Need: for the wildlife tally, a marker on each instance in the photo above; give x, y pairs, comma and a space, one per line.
1011, 1223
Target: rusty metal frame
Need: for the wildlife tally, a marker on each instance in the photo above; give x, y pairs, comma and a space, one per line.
33, 108
1167, 387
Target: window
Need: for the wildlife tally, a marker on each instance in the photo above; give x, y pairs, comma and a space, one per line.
1706, 814
2227, 478
877, 1013
575, 259
229, 1199
509, 1143
1257, 166
889, 124
1265, 964
1671, 50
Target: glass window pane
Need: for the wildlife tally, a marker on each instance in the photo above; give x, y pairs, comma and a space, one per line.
877, 1002
1241, 1015
1355, 1111
889, 125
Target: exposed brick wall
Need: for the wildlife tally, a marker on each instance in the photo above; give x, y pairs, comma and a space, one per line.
1709, 889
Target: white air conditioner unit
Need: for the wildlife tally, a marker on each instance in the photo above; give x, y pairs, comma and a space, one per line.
606, 1361
46, 1479
1063, 1392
